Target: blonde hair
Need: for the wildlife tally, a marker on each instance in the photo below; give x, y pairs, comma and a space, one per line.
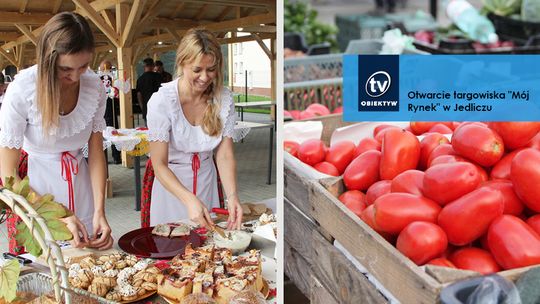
64, 33
195, 44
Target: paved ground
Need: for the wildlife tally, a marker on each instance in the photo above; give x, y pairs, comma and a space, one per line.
251, 156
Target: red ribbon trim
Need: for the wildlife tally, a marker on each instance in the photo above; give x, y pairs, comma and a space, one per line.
70, 167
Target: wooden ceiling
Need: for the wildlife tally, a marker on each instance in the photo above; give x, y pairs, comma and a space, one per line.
135, 24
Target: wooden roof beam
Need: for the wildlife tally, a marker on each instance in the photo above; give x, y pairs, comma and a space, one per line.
241, 22
93, 15
22, 8
224, 13
260, 29
8, 56
179, 7
56, 6
22, 39
27, 32
100, 5
149, 18
263, 46
246, 38
133, 19
243, 3
20, 55
174, 34
173, 23
8, 18
9, 36
109, 18
201, 12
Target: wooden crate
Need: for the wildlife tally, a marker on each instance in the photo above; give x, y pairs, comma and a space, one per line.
314, 218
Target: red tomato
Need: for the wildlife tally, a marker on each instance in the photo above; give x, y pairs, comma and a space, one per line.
307, 115
513, 243
291, 147
287, 114
443, 262
430, 142
512, 204
525, 176
326, 168
380, 135
442, 149
367, 144
535, 142
400, 151
421, 127
467, 218
368, 216
318, 109
448, 159
440, 128
421, 242
354, 200
474, 259
377, 189
479, 144
444, 183
515, 134
394, 211
501, 170
341, 154
363, 171
311, 151
410, 181
534, 222
338, 110
379, 128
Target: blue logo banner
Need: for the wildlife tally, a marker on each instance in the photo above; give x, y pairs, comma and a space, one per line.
441, 88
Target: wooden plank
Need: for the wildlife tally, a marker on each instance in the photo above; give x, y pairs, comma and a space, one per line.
108, 16
246, 38
93, 15
130, 29
334, 185
9, 36
177, 10
23, 5
243, 3
122, 14
100, 5
22, 39
296, 190
297, 269
319, 293
398, 274
263, 46
174, 34
224, 13
241, 22
201, 12
297, 229
20, 56
261, 29
123, 56
8, 56
27, 32
56, 6
340, 276
8, 18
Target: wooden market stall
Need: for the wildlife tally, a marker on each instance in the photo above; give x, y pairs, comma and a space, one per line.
128, 30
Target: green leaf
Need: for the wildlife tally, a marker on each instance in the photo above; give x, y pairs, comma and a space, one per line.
50, 210
59, 230
26, 239
9, 275
23, 187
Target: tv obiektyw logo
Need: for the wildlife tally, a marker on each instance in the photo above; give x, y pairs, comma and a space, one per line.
378, 83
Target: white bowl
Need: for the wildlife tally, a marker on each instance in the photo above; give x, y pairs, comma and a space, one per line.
238, 243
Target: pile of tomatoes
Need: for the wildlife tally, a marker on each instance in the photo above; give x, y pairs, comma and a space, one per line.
469, 202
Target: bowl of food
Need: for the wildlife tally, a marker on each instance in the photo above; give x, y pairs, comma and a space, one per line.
236, 240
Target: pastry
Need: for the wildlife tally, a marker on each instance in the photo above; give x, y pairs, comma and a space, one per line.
247, 297
227, 288
98, 289
179, 229
128, 293
140, 291
222, 254
131, 260
85, 275
205, 253
107, 281
203, 283
114, 296
198, 298
153, 269
150, 277
162, 230
194, 264
149, 286
88, 262
174, 284
137, 283
245, 209
257, 209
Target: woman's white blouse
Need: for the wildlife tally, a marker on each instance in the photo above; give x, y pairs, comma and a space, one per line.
20, 120
167, 123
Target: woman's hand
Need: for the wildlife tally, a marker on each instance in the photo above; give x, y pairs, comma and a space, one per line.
80, 236
235, 215
198, 213
102, 233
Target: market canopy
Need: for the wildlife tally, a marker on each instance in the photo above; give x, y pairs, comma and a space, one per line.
130, 29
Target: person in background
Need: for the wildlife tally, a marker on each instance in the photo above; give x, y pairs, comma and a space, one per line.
165, 76
113, 105
148, 83
190, 121
53, 109
2, 88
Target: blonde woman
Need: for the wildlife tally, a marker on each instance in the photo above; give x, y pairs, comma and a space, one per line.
52, 110
190, 119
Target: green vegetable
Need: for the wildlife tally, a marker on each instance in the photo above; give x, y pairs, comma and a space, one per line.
503, 7
9, 275
530, 11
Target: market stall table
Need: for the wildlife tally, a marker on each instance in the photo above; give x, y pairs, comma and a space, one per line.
253, 104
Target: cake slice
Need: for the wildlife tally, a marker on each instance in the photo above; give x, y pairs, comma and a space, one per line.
203, 283
179, 229
162, 230
227, 288
205, 253
175, 284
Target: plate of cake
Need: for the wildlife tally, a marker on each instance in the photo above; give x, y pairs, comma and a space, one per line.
163, 241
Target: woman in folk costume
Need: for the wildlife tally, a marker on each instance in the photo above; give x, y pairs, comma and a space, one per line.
191, 119
52, 110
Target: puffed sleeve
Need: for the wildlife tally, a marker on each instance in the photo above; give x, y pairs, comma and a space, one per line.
227, 103
157, 119
98, 123
13, 117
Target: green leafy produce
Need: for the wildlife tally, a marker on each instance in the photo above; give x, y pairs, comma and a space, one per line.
47, 208
9, 275
503, 7
530, 10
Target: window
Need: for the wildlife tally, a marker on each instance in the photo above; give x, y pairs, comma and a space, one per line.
240, 48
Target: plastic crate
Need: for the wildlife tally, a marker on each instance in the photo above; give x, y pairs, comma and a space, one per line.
373, 46
512, 29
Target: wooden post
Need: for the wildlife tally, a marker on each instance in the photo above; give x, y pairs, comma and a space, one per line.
273, 83
126, 115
